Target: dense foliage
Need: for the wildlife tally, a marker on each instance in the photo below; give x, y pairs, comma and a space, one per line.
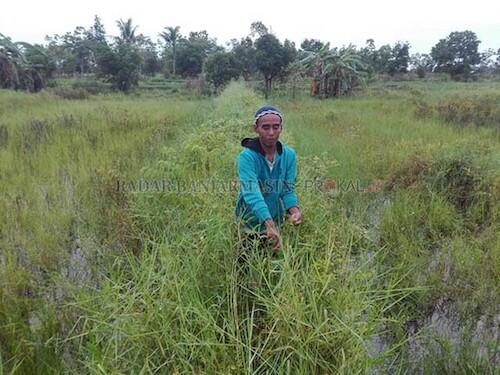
122, 60
457, 54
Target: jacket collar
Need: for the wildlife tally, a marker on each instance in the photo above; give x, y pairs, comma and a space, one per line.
254, 144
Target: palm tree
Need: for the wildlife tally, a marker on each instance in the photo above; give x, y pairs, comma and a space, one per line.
171, 36
127, 31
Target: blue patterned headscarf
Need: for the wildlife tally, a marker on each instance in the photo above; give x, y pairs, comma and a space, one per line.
267, 110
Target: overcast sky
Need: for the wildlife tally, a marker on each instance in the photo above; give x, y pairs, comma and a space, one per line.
421, 22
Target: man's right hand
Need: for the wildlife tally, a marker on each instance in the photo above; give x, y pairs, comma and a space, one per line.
272, 234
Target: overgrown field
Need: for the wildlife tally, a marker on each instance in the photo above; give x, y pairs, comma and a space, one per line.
118, 246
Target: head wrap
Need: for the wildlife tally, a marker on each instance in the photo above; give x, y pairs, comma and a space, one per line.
267, 110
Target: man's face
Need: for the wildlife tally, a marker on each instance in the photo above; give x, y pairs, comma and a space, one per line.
268, 128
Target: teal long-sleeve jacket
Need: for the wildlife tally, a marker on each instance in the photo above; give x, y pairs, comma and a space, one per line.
265, 194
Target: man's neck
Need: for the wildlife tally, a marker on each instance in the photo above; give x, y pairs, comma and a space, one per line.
269, 151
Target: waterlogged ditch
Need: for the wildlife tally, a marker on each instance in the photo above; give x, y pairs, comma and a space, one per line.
389, 276
453, 331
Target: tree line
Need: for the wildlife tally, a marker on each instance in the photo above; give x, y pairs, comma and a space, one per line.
121, 60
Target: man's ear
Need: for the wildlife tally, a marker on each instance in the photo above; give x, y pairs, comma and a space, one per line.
255, 127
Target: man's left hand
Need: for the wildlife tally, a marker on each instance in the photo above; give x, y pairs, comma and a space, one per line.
295, 215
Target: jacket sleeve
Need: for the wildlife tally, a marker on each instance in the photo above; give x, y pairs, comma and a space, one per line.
289, 196
249, 187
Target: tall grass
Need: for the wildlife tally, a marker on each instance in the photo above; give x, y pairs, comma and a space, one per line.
97, 279
59, 162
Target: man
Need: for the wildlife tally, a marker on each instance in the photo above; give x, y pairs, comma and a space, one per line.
267, 172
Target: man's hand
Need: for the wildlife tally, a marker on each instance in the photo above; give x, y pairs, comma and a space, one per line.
272, 234
295, 215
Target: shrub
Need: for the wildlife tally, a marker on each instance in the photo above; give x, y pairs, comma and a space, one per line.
91, 86
421, 72
71, 93
478, 110
458, 180
423, 109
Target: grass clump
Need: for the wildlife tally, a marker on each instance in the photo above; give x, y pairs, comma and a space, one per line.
481, 110
461, 111
468, 186
71, 93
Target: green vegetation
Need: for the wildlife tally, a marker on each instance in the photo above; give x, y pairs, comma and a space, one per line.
334, 72
457, 54
23, 66
395, 268
60, 162
129, 57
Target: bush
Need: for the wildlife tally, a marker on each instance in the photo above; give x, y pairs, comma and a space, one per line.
71, 93
92, 87
221, 67
120, 65
459, 180
421, 72
478, 110
198, 85
423, 109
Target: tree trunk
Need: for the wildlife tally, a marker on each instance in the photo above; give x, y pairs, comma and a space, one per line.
337, 85
8, 73
173, 60
268, 86
324, 93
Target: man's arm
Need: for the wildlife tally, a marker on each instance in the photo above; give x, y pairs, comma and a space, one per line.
272, 233
249, 186
290, 200
250, 190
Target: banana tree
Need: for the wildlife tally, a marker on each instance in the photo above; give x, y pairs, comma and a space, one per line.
345, 70
10, 60
335, 72
16, 70
314, 64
